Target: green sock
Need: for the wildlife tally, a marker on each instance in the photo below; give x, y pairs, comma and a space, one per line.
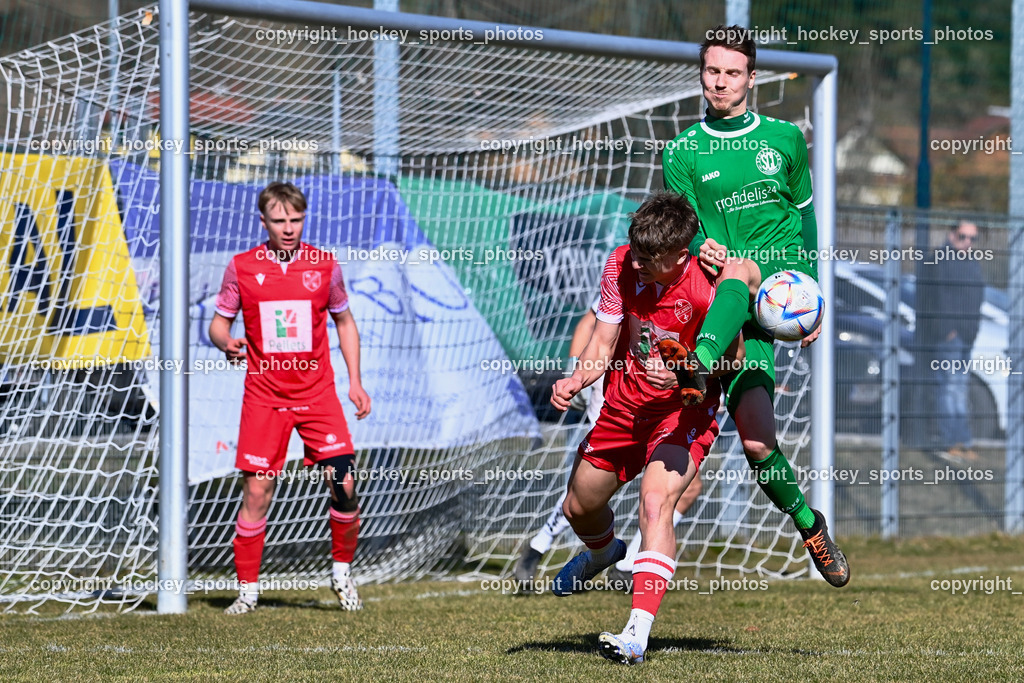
776, 479
725, 318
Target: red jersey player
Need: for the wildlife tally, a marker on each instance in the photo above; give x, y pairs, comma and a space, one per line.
285, 289
654, 296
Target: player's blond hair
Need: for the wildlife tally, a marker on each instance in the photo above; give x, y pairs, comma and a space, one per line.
281, 193
665, 222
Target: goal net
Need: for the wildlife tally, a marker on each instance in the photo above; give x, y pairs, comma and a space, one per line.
470, 191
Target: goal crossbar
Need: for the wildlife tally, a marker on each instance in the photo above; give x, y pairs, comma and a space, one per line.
558, 40
174, 18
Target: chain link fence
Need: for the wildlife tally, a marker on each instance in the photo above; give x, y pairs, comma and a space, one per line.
922, 372
889, 422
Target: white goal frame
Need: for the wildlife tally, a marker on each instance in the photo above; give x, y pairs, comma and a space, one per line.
174, 216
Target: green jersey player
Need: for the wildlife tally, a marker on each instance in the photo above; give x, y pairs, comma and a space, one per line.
747, 176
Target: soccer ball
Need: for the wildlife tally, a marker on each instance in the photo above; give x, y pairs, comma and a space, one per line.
789, 305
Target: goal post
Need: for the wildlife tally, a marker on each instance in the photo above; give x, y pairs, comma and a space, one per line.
172, 556
823, 387
518, 154
823, 68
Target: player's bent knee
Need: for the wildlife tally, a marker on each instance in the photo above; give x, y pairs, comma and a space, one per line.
745, 270
257, 487
256, 499
755, 450
338, 471
573, 508
570, 507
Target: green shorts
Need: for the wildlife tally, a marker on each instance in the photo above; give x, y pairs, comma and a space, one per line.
758, 368
788, 260
759, 365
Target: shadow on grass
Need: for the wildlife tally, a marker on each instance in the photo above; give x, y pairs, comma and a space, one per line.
220, 603
588, 644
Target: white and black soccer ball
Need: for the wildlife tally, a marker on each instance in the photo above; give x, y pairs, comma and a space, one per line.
789, 305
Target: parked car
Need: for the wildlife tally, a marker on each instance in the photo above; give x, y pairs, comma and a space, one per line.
860, 321
859, 310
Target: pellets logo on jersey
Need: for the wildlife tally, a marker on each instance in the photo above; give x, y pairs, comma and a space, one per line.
644, 337
768, 161
287, 326
311, 280
683, 310
286, 323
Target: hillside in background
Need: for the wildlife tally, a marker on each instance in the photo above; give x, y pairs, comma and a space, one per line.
879, 82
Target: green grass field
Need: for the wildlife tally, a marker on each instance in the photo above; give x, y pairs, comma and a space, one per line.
888, 624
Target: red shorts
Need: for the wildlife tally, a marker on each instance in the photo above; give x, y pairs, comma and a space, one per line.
623, 443
264, 432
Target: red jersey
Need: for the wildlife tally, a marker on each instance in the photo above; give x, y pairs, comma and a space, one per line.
650, 313
284, 307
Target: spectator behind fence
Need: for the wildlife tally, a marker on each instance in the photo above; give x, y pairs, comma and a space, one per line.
951, 292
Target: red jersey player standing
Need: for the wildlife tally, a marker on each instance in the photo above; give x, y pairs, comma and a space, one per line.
285, 290
654, 296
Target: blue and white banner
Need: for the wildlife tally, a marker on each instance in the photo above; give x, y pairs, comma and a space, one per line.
430, 363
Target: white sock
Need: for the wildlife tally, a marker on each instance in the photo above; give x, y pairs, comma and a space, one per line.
604, 555
542, 541
552, 529
638, 628
626, 563
250, 593
341, 570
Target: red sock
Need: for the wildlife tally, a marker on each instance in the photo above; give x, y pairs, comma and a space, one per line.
248, 544
651, 573
344, 534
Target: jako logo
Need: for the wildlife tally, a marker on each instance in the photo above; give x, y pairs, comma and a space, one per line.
708, 176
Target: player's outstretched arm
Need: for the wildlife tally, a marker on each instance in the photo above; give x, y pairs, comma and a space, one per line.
580, 336
220, 335
593, 363
582, 333
348, 339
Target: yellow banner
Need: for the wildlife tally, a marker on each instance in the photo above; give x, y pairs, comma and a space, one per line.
67, 288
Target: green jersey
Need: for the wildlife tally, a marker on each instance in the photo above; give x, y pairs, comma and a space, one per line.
748, 179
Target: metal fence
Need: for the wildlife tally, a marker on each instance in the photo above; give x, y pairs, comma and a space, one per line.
905, 466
